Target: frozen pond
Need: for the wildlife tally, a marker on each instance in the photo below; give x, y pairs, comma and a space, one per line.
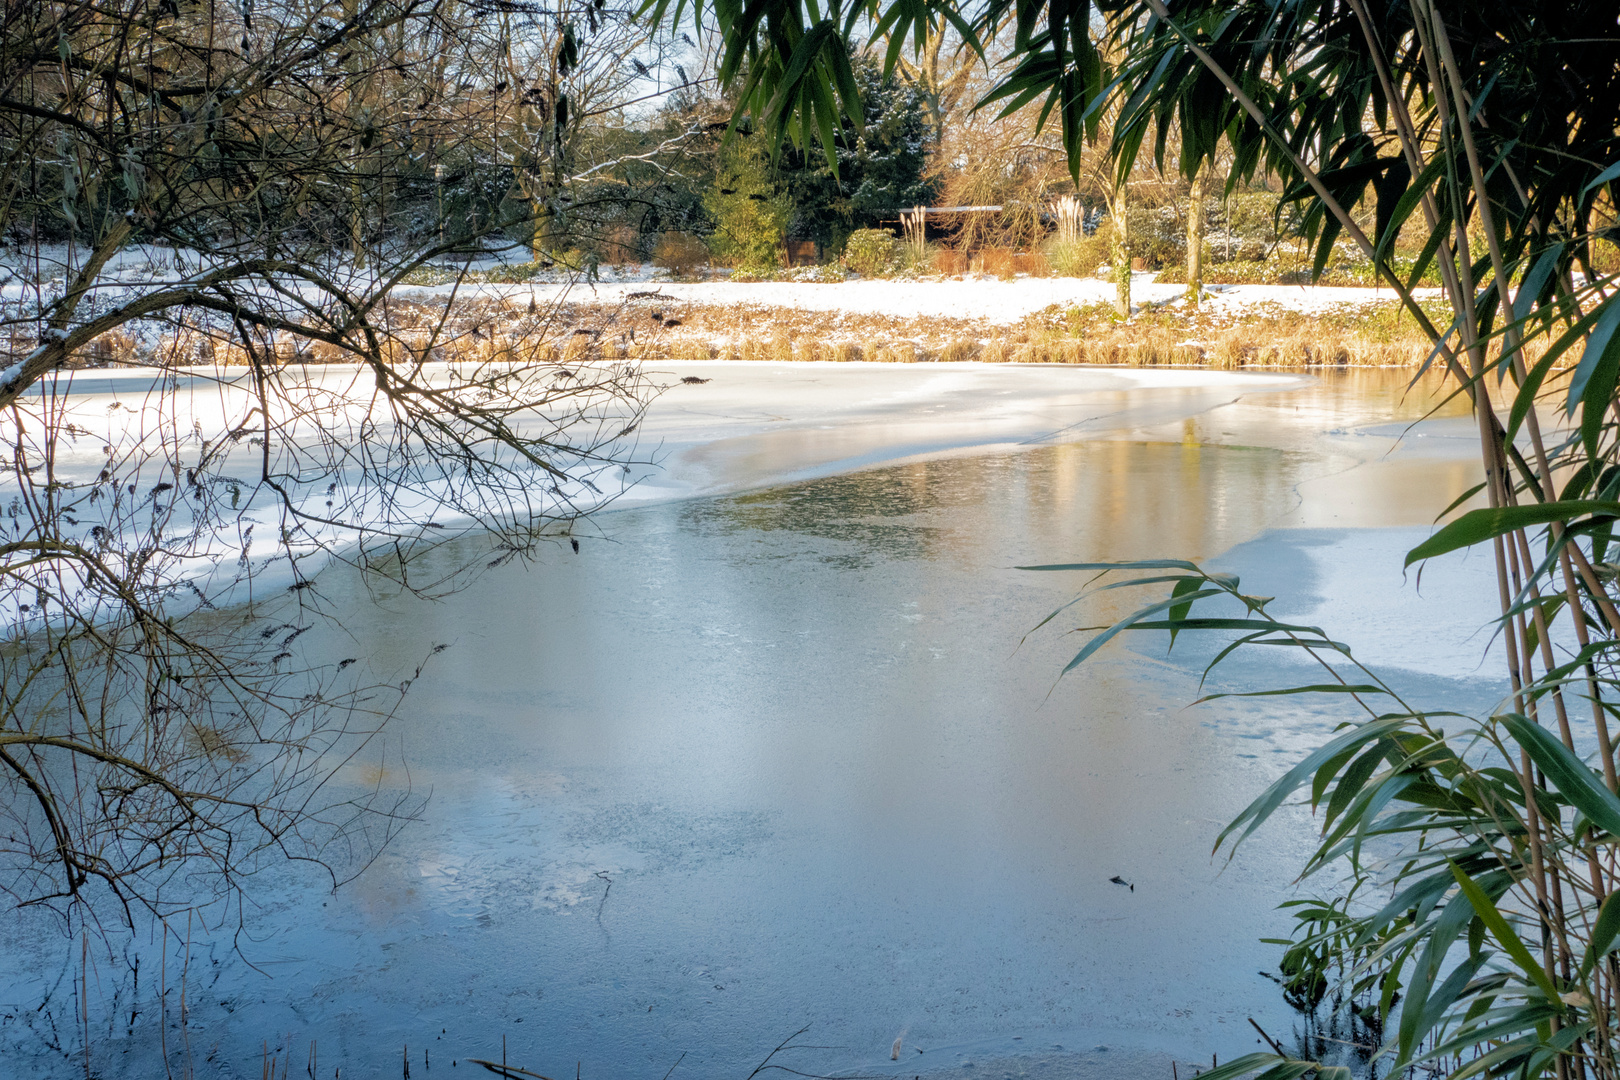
775, 757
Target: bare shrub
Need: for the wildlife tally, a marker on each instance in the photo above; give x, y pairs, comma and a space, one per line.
682, 254
621, 246
950, 262
998, 262
871, 252
1033, 263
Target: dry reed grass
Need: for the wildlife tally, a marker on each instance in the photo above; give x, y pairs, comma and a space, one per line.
1265, 338
654, 328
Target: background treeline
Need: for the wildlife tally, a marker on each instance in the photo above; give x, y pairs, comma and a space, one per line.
568, 134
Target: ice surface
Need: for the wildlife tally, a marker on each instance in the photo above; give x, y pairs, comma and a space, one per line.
750, 425
768, 751
757, 424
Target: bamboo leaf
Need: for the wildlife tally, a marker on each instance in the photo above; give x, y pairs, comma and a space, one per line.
1459, 500
1573, 778
1266, 626
1594, 356
1177, 612
1434, 1007
1242, 1066
1144, 564
1600, 375
1524, 297
805, 52
1604, 177
1494, 1061
1350, 785
1126, 623
1314, 688
1286, 1069
1603, 932
1319, 783
1477, 526
1262, 808
1499, 928
1524, 400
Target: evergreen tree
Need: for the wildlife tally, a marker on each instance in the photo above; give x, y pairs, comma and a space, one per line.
881, 169
749, 209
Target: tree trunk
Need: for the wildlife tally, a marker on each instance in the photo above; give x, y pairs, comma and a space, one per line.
540, 240
1195, 238
358, 105
1122, 248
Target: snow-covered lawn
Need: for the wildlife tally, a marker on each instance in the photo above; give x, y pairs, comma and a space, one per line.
989, 300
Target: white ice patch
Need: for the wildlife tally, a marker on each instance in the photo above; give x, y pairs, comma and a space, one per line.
130, 435
751, 425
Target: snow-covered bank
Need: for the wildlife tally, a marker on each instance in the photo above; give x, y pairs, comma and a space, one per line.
987, 299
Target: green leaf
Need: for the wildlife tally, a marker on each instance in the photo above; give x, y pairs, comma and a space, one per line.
1603, 177
1573, 778
1242, 1066
1459, 500
1183, 588
1525, 398
805, 52
1410, 198
1126, 623
1265, 626
1287, 1069
1597, 374
1255, 814
1493, 1062
1319, 783
1603, 932
1524, 298
1477, 526
1351, 783
1597, 345
1499, 928
1389, 191
1424, 1020
1314, 688
1145, 564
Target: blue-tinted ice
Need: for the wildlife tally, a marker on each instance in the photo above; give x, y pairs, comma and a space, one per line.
778, 758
